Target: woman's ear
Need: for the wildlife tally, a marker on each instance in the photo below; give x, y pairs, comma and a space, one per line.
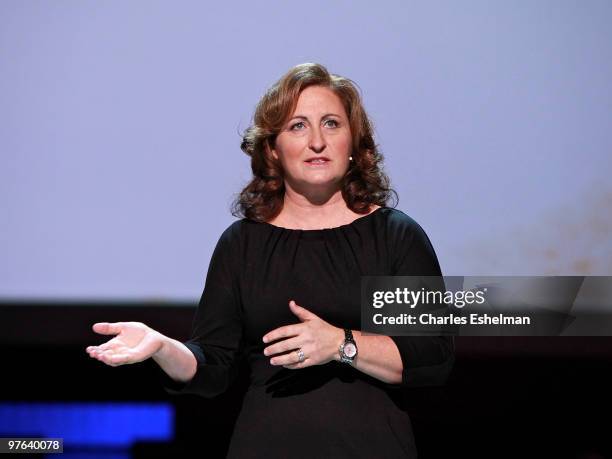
270, 152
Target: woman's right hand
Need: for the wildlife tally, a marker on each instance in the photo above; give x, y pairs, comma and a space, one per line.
134, 342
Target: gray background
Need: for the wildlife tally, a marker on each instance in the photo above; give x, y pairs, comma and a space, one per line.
120, 121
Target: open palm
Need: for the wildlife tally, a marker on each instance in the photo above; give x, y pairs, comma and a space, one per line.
134, 342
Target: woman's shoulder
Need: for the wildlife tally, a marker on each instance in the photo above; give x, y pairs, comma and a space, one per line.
402, 230
410, 246
240, 229
229, 238
398, 221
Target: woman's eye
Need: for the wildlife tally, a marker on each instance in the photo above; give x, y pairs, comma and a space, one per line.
300, 125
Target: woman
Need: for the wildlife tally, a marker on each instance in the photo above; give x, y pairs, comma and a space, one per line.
283, 288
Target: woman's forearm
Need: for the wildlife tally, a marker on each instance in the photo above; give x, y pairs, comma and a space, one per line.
176, 360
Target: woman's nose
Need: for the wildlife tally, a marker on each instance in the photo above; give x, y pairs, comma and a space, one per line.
317, 141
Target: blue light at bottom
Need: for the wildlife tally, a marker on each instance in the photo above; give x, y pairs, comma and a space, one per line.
92, 425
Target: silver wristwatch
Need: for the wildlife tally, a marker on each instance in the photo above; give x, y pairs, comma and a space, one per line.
348, 349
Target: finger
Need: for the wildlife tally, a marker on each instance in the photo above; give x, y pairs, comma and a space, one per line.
95, 350
113, 359
287, 331
290, 358
105, 328
92, 353
97, 356
120, 359
296, 366
91, 349
108, 345
103, 358
302, 313
285, 345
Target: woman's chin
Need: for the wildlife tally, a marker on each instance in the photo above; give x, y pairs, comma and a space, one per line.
319, 182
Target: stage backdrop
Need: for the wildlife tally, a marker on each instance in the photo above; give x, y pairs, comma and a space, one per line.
120, 129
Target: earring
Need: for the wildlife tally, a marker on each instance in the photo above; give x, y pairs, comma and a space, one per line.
350, 158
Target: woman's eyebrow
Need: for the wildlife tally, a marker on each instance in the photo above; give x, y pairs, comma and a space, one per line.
306, 118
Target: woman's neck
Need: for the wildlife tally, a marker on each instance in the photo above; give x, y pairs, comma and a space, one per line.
300, 213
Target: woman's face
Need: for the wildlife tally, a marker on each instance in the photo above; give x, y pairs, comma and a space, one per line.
315, 144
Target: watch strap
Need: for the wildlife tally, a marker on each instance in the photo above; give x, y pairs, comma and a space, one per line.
348, 338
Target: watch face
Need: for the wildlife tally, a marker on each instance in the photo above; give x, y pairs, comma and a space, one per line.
350, 350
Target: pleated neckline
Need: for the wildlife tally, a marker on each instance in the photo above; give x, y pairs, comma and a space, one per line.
321, 232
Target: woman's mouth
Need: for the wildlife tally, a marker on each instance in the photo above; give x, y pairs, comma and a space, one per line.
317, 162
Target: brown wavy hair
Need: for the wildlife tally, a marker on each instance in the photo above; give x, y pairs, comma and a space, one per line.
364, 183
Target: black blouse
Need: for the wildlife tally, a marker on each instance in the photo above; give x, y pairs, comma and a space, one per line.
322, 410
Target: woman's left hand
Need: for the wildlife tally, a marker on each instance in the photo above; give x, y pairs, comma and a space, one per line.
317, 339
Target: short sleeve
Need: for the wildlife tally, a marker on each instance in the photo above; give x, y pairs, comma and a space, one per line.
216, 336
427, 360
